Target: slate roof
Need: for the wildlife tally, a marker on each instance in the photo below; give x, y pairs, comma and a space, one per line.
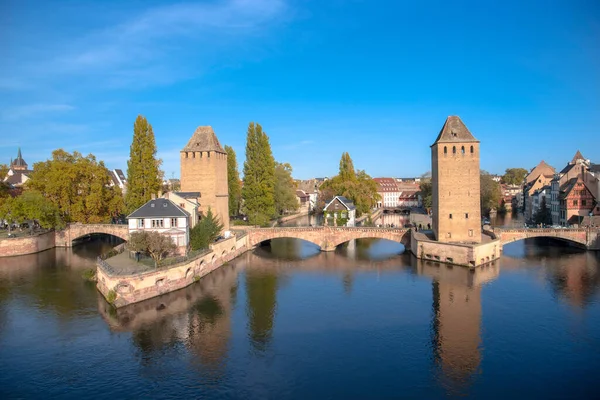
188, 195
121, 175
454, 130
204, 139
595, 168
159, 208
347, 203
17, 177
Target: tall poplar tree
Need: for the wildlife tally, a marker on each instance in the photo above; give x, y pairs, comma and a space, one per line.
233, 178
259, 177
143, 174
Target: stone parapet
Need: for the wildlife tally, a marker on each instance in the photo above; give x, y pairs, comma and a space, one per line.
27, 245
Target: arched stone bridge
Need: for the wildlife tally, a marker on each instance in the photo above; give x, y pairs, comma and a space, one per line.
328, 237
65, 237
583, 237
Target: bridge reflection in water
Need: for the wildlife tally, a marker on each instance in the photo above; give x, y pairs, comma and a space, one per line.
199, 316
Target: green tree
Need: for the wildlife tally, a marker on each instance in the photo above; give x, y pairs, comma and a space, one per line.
144, 177
359, 187
78, 186
33, 206
157, 245
543, 215
205, 231
233, 181
514, 176
426, 192
258, 191
285, 189
490, 193
3, 185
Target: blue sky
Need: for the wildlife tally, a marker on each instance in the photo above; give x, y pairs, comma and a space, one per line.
374, 78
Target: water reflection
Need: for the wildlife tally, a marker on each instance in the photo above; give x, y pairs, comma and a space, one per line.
456, 321
281, 318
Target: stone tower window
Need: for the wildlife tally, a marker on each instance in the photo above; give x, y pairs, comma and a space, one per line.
186, 154
453, 149
445, 150
462, 150
193, 154
467, 215
450, 216
471, 149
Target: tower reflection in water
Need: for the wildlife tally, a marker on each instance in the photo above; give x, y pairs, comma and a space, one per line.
200, 316
456, 323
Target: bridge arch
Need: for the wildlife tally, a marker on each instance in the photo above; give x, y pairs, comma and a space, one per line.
73, 232
577, 237
328, 238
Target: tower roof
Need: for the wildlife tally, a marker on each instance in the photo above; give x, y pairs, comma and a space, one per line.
204, 139
454, 130
577, 156
18, 162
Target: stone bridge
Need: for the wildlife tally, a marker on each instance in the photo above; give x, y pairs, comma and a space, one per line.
328, 237
65, 237
588, 238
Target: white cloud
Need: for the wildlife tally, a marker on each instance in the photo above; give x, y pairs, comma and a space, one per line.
144, 48
33, 110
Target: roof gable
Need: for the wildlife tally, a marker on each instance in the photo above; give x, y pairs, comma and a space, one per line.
343, 201
577, 156
453, 131
204, 139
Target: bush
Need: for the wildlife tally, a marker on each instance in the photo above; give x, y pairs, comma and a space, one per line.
111, 296
89, 275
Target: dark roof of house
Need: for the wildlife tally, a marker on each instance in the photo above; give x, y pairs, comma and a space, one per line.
188, 195
301, 193
204, 139
16, 177
454, 130
120, 174
594, 168
159, 208
113, 177
347, 203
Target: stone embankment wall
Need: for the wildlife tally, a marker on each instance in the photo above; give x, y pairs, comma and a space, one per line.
26, 245
138, 287
468, 255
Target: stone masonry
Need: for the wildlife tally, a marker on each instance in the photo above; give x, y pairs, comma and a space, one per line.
204, 169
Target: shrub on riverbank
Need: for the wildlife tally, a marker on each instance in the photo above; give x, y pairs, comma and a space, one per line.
89, 275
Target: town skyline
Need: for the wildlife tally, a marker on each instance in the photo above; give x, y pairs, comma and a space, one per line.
317, 81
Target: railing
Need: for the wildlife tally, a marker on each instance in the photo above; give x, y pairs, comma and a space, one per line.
169, 261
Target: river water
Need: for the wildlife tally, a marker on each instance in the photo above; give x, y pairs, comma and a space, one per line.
288, 322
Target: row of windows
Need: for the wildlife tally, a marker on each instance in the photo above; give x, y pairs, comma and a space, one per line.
462, 150
157, 223
193, 153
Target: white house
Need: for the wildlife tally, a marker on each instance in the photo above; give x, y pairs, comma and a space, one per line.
188, 201
163, 216
340, 208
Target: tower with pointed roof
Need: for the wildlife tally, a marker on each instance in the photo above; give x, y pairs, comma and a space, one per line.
18, 164
204, 169
456, 203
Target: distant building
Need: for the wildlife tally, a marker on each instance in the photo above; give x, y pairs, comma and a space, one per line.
165, 217
387, 188
303, 198
576, 202
117, 178
18, 172
496, 178
340, 208
578, 167
311, 188
537, 200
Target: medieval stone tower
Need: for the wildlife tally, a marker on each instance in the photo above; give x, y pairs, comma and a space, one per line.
455, 184
204, 170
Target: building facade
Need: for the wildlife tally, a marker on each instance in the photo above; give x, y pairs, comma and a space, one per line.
456, 204
165, 217
18, 172
204, 169
339, 209
576, 202
387, 188
188, 201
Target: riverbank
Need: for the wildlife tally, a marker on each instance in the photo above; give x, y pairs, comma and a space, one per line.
23, 245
